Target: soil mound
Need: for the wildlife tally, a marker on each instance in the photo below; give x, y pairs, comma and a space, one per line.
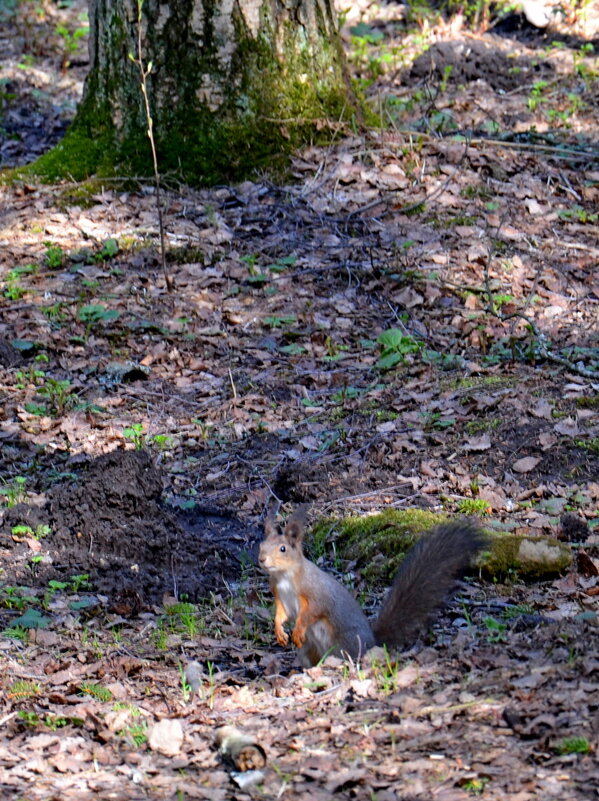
110, 522
474, 60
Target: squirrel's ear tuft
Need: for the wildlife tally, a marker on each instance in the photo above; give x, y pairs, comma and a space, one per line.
270, 523
296, 524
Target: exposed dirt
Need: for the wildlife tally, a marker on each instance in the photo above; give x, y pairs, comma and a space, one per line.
473, 60
42, 76
109, 522
263, 377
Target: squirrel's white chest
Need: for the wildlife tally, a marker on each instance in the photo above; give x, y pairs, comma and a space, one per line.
288, 597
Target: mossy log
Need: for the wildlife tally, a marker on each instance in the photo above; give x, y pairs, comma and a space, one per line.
377, 544
232, 87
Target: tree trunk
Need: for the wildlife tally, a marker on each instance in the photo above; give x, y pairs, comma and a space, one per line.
234, 85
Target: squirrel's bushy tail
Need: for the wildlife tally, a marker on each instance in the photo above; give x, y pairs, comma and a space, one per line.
424, 580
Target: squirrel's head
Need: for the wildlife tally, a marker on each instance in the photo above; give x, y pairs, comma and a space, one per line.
281, 548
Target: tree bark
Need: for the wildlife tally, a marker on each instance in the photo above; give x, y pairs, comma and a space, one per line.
234, 85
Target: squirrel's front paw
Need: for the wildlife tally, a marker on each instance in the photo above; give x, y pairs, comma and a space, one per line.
298, 637
281, 635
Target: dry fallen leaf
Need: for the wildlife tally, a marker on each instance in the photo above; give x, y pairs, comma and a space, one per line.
542, 408
567, 427
480, 443
166, 737
525, 464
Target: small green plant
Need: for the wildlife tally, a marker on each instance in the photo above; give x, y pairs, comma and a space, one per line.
183, 616
386, 674
55, 312
110, 249
160, 636
13, 289
160, 441
96, 691
293, 349
54, 722
435, 420
34, 562
54, 257
15, 597
41, 531
24, 689
348, 393
135, 732
278, 322
92, 641
476, 786
498, 301
473, 506
496, 630
80, 582
16, 633
536, 95
90, 286
32, 376
582, 69
21, 531
578, 214
282, 264
53, 587
59, 395
36, 409
32, 619
13, 491
395, 346
256, 275
573, 745
70, 41
204, 427
447, 70
95, 313
477, 426
186, 690
564, 115
335, 352
511, 612
26, 60
135, 433
591, 445
28, 718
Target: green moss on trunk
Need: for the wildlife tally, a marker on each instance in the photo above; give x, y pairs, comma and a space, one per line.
283, 83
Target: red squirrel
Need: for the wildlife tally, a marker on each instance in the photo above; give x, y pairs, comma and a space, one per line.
328, 619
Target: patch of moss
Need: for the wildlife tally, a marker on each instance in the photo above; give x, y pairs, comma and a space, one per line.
588, 402
476, 426
82, 194
187, 254
376, 543
477, 382
449, 222
591, 445
525, 557
273, 103
75, 158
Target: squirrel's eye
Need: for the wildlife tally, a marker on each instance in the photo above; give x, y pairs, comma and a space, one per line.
283, 549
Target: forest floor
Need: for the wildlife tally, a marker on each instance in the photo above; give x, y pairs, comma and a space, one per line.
412, 321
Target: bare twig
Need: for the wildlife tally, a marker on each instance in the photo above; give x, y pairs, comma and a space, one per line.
143, 75
370, 494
